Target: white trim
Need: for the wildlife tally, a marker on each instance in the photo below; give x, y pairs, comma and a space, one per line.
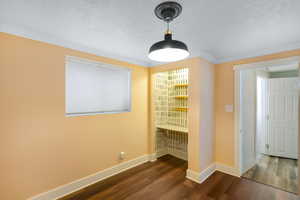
192, 175
237, 146
161, 153
202, 176
178, 154
262, 52
21, 30
207, 56
74, 186
96, 113
271, 63
227, 169
26, 32
91, 179
152, 157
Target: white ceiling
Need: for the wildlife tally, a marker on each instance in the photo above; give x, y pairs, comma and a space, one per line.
214, 29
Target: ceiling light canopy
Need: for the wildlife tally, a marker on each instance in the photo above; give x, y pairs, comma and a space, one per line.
168, 50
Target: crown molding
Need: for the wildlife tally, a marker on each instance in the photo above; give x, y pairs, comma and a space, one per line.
294, 60
262, 52
207, 56
29, 33
26, 32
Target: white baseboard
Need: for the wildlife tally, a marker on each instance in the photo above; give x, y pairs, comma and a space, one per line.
227, 169
202, 176
161, 152
89, 180
192, 175
152, 157
198, 177
178, 154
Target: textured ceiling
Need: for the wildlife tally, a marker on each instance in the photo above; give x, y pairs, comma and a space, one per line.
214, 29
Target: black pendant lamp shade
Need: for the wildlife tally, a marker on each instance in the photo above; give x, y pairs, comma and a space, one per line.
168, 50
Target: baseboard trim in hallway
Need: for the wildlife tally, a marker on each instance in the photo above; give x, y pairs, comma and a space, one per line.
74, 186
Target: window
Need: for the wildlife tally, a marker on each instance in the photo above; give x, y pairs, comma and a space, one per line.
96, 88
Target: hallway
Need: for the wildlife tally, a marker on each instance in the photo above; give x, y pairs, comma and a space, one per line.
275, 171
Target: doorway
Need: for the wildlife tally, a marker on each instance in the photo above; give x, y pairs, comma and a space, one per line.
268, 118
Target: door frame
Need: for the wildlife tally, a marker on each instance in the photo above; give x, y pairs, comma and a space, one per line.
244, 166
237, 71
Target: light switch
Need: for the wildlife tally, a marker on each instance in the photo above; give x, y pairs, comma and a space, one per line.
229, 108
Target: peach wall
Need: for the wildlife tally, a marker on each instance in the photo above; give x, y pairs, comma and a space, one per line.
224, 94
40, 148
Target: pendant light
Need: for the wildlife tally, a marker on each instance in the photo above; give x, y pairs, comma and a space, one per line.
168, 50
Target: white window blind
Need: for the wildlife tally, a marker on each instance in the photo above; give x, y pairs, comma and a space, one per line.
96, 88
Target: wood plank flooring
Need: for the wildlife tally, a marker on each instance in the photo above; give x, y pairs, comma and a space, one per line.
275, 171
165, 180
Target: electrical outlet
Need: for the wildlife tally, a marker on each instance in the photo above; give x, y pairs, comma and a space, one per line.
122, 155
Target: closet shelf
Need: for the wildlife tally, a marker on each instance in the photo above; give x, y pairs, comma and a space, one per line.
181, 97
181, 85
181, 109
173, 128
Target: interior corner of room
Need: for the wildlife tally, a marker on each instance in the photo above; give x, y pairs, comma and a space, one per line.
129, 100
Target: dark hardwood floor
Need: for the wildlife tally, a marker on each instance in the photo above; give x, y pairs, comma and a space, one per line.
165, 180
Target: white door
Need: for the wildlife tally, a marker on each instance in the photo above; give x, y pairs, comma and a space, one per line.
282, 117
247, 118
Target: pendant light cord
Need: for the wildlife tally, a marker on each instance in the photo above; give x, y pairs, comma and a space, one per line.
168, 28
